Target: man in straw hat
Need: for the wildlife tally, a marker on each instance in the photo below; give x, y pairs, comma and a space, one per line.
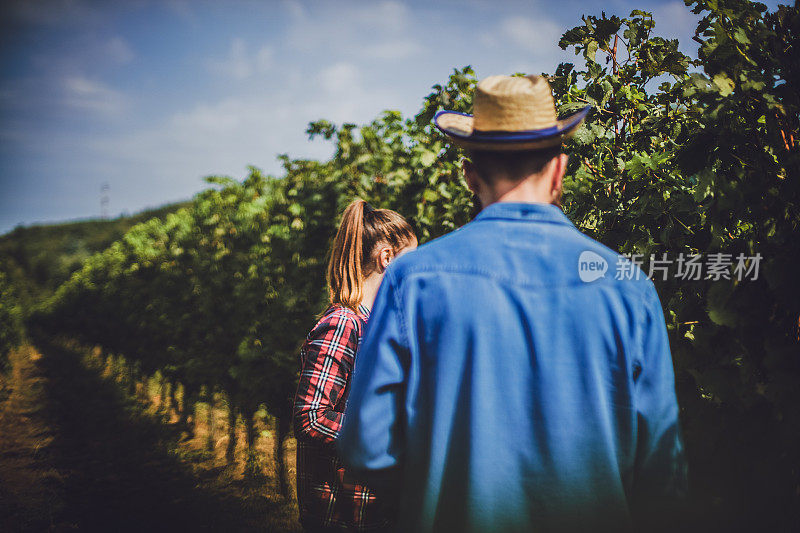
507, 380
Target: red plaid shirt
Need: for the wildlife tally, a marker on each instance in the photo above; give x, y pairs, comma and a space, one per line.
327, 494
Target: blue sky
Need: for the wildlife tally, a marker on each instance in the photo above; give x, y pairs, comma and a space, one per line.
149, 97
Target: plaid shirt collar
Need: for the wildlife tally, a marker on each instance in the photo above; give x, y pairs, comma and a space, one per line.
363, 310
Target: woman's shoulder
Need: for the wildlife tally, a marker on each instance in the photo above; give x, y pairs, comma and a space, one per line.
339, 312
338, 316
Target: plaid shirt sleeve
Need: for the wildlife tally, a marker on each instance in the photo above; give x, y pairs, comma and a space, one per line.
327, 361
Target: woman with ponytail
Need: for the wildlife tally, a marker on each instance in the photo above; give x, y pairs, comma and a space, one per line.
331, 498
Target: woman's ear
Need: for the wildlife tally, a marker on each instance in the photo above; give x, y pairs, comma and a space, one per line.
385, 257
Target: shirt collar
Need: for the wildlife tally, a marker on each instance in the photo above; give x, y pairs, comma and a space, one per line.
363, 310
537, 212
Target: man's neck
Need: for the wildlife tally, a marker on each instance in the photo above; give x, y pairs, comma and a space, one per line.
529, 190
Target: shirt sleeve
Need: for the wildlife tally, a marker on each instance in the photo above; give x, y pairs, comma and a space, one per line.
371, 439
660, 473
326, 368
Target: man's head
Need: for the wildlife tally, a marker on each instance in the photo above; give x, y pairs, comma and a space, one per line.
513, 140
526, 176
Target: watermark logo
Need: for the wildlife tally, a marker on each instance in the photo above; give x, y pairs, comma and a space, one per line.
591, 266
692, 267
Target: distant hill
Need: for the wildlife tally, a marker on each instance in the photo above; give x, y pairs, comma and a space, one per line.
38, 258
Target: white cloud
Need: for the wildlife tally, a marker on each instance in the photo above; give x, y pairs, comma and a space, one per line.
221, 137
340, 78
536, 36
91, 95
387, 15
488, 39
119, 51
236, 64
361, 29
183, 9
248, 127
264, 58
295, 9
527, 44
239, 63
397, 49
88, 54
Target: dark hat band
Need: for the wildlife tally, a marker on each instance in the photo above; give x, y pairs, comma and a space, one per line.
523, 136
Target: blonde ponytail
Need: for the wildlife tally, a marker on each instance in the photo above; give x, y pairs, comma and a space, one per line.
345, 267
360, 232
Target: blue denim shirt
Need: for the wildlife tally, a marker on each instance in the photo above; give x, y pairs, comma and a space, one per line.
514, 390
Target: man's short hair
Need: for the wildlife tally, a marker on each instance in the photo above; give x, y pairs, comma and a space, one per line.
511, 165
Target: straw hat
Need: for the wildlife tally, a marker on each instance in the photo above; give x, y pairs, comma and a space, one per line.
510, 113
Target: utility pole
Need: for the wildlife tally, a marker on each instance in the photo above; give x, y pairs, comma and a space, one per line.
104, 200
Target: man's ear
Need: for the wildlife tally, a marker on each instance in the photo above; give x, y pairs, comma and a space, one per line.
471, 176
557, 177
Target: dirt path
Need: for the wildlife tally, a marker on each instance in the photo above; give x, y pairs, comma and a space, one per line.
31, 489
76, 454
